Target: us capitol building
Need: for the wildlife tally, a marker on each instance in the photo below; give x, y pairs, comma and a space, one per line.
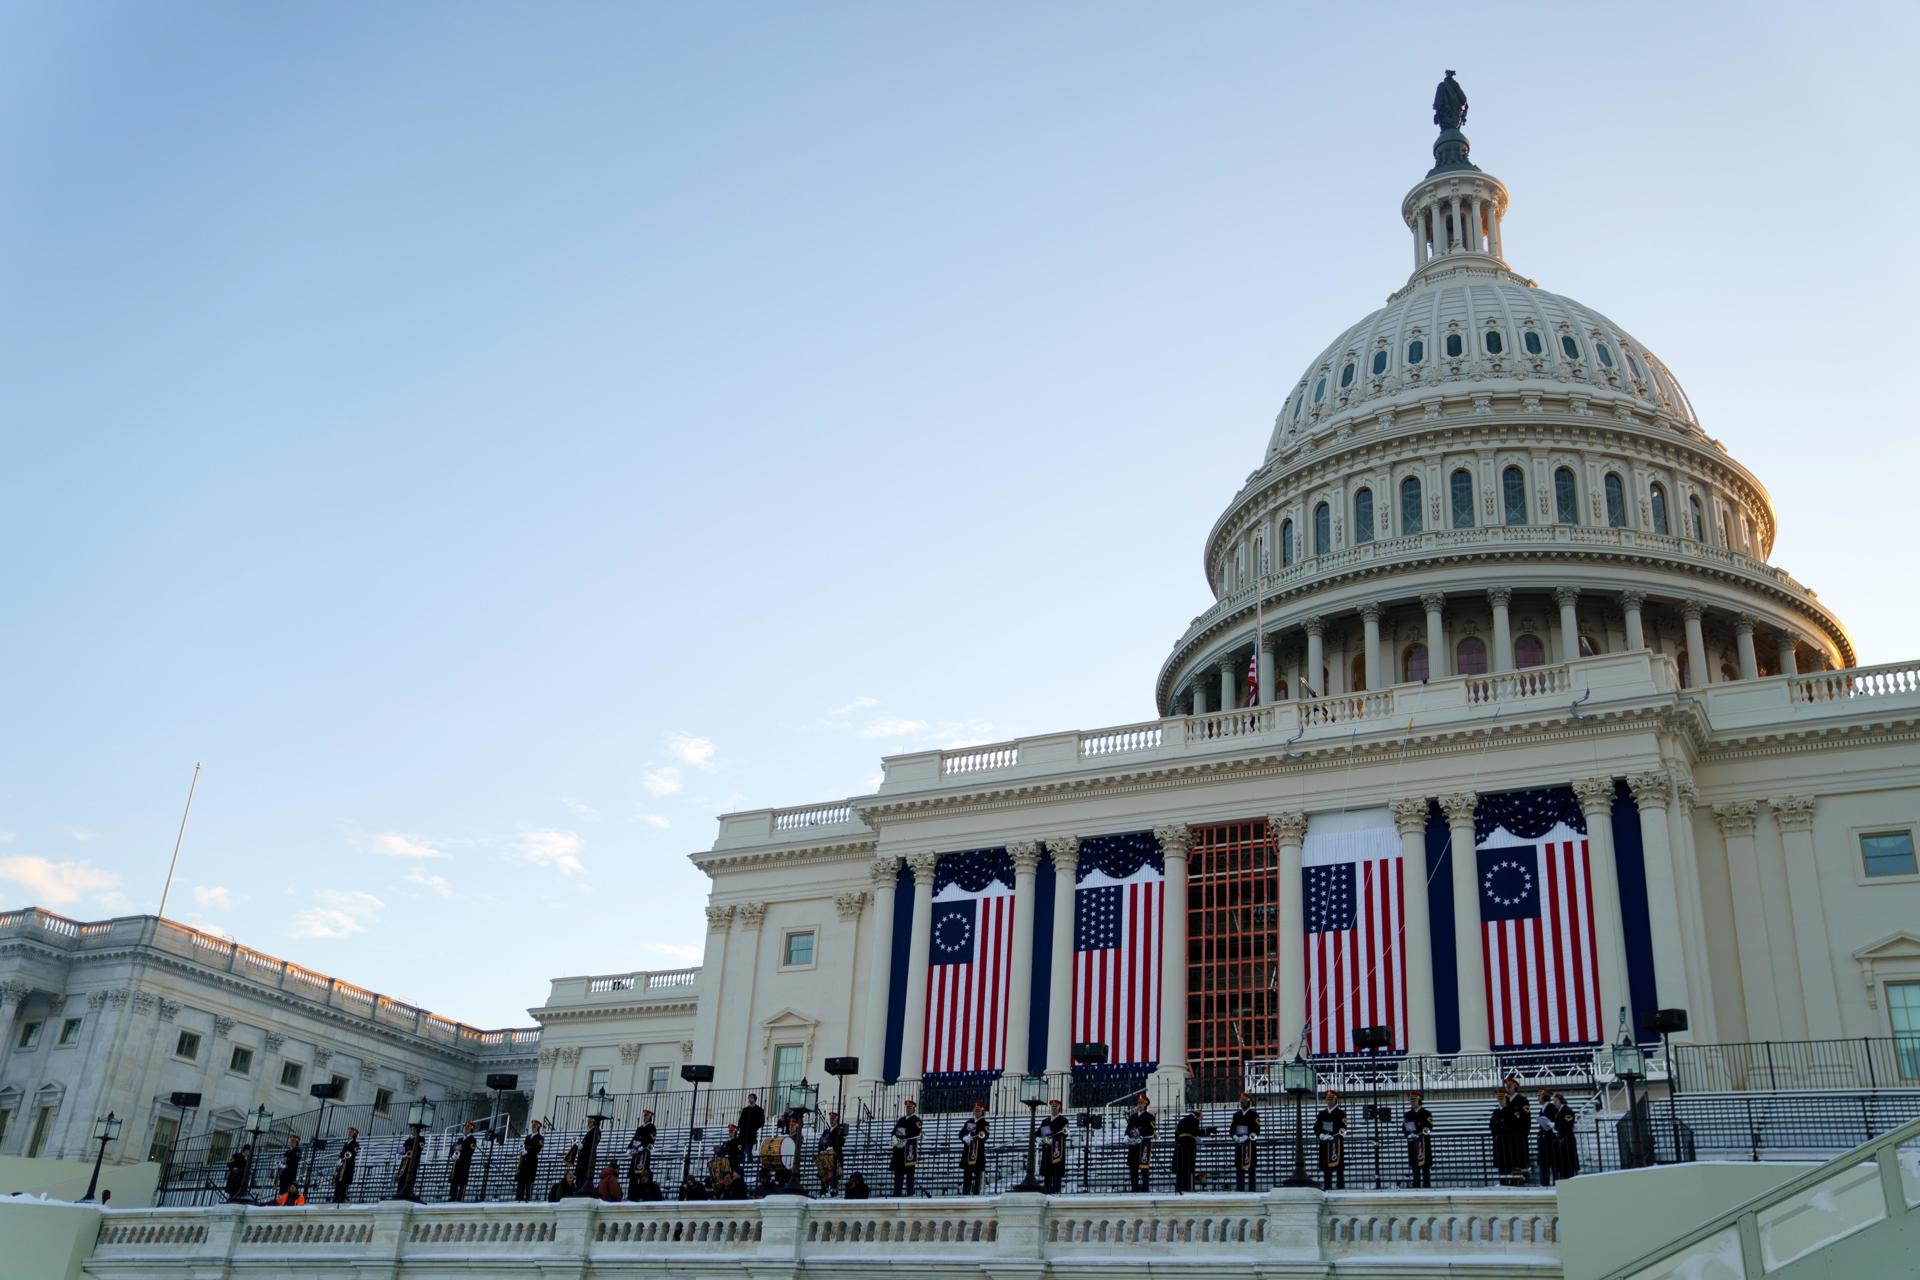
1498, 722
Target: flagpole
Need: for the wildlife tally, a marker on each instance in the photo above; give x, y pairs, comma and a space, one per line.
177, 840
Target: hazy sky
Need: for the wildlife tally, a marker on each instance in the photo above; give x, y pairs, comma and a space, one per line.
496, 439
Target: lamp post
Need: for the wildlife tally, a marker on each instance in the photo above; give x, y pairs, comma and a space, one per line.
1033, 1092
419, 1119
104, 1131
262, 1122
1302, 1082
1630, 1064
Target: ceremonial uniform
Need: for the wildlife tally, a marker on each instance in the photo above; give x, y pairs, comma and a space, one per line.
1547, 1139
411, 1153
778, 1156
831, 1155
528, 1165
239, 1174
906, 1152
973, 1152
1568, 1146
640, 1158
1140, 1130
1512, 1123
1246, 1144
462, 1167
1330, 1131
586, 1172
1053, 1151
752, 1118
343, 1170
1186, 1150
1416, 1126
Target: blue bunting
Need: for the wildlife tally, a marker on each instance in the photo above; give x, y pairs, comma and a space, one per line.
1120, 856
1527, 814
973, 870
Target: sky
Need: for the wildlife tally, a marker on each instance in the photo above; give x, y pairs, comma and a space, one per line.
493, 440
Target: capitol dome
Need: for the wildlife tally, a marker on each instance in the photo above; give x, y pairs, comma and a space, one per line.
1483, 477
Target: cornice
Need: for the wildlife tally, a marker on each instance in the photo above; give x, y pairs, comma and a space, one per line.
546, 1014
1794, 739
712, 860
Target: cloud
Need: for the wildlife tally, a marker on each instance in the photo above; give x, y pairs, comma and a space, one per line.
427, 880
341, 913
213, 895
79, 835
860, 703
655, 820
664, 781
892, 727
58, 884
392, 844
557, 849
6, 837
697, 752
692, 955
580, 808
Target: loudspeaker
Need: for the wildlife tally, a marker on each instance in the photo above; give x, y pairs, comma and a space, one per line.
843, 1066
1090, 1053
502, 1081
330, 1091
188, 1100
1373, 1037
697, 1072
1665, 1021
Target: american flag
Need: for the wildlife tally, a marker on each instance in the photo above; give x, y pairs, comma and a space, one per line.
969, 953
1540, 959
1355, 964
1116, 946
1253, 677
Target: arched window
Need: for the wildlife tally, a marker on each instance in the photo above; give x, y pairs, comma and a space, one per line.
1379, 363
1470, 657
1416, 351
1455, 347
1633, 364
1699, 517
1727, 674
1606, 356
1569, 346
1286, 544
1363, 516
1415, 664
1411, 517
1461, 489
1495, 343
1299, 403
1566, 500
1589, 646
1528, 651
1531, 341
1513, 494
1322, 530
1726, 528
1359, 673
1320, 389
1616, 502
1660, 522
1346, 375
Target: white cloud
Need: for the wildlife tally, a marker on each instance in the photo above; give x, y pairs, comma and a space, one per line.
341, 913
59, 884
692, 955
213, 895
655, 820
392, 844
664, 781
427, 880
892, 727
697, 752
580, 809
78, 834
557, 849
860, 703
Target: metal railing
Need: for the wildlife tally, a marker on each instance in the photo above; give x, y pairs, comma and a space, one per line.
1889, 1062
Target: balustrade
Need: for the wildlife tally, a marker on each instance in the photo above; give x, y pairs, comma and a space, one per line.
1530, 682
1120, 741
1221, 725
1345, 708
1855, 682
824, 815
1003, 755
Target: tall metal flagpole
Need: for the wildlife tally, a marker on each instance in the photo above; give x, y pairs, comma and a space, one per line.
177, 840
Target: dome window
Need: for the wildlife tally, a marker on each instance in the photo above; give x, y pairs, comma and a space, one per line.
1379, 363
1661, 524
1566, 497
1570, 346
1495, 343
1531, 341
1415, 664
1299, 403
1454, 346
1699, 518
1513, 495
1633, 364
1461, 486
1322, 529
1470, 657
1346, 375
1606, 356
1616, 502
1320, 389
1416, 351
1363, 516
1410, 514
1286, 544
1528, 652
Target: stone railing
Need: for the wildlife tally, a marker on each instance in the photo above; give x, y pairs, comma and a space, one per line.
1000, 755
1856, 682
1220, 726
1500, 1233
1532, 682
1122, 740
1344, 708
820, 815
648, 980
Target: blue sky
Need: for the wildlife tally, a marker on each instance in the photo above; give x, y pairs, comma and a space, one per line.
495, 439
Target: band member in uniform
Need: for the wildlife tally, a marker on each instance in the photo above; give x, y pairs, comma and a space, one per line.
1246, 1145
240, 1174
1568, 1147
343, 1171
586, 1168
528, 1165
832, 1152
412, 1151
732, 1150
752, 1119
973, 1150
1330, 1131
1053, 1148
1140, 1130
1186, 1149
1546, 1130
462, 1166
1512, 1125
287, 1181
640, 1155
906, 1149
777, 1154
1416, 1126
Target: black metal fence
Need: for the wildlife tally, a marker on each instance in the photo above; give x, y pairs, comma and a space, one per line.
1891, 1062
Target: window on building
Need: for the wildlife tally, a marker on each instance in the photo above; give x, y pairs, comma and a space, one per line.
6, 1123
69, 1032
1903, 1011
789, 1063
597, 1079
219, 1146
1589, 646
29, 1034
339, 1084
1299, 403
1566, 497
1455, 347
1569, 346
187, 1046
1233, 892
1415, 664
1363, 516
1346, 375
1726, 528
165, 1130
1410, 513
1888, 853
659, 1079
1286, 544
1322, 530
240, 1061
1470, 657
290, 1074
1699, 515
1531, 341
1460, 488
1416, 351
1495, 343
1528, 652
1601, 350
1320, 389
1513, 495
383, 1102
1616, 502
1633, 364
1661, 524
1379, 363
798, 948
1753, 537
1357, 682
42, 1122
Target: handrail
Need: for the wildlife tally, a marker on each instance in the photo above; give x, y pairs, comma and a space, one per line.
1745, 1215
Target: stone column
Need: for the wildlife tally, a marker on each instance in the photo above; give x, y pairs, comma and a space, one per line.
713, 971
1702, 1014
1026, 861
1289, 831
13, 995
1315, 675
1569, 622
1737, 819
1743, 640
1630, 604
1419, 238
886, 880
1671, 980
1787, 645
1267, 657
1469, 962
1410, 819
1500, 598
913, 1027
1473, 224
1699, 665
1174, 843
1065, 853
1370, 615
1609, 935
1437, 665
1228, 700
1197, 687
1794, 816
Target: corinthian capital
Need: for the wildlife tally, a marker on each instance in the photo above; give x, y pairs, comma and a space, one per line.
1288, 826
1459, 805
718, 918
1632, 599
1410, 815
1175, 839
850, 905
1065, 853
1793, 813
1565, 595
1736, 817
752, 914
1594, 794
1649, 789
885, 870
923, 865
1499, 597
1025, 855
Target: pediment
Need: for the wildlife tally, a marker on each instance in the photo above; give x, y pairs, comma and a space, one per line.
1895, 957
790, 1020
1900, 945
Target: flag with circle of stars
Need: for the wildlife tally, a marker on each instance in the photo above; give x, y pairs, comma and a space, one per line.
1538, 946
969, 956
